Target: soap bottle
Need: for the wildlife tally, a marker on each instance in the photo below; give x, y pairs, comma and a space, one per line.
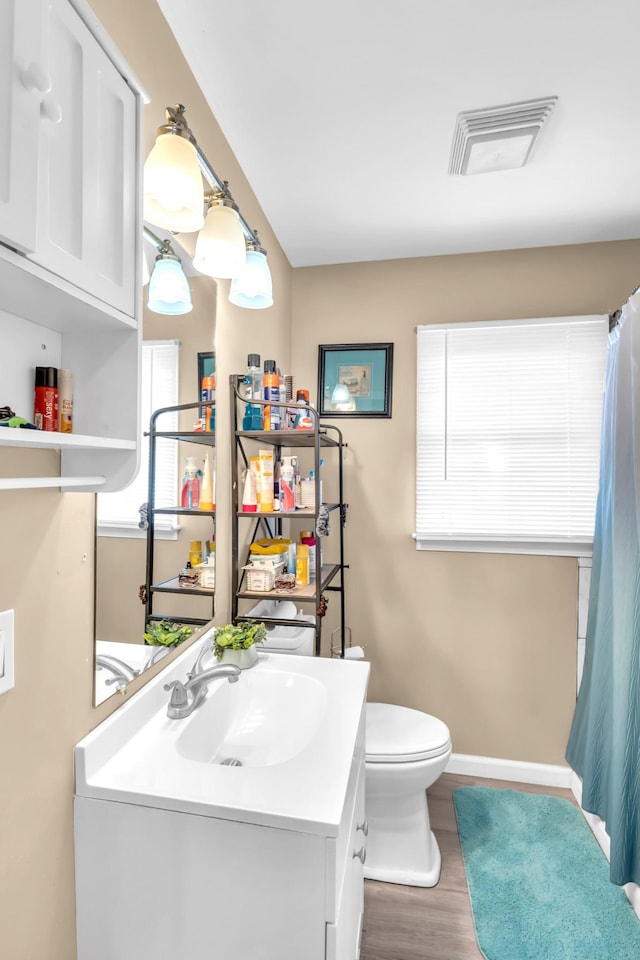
190, 497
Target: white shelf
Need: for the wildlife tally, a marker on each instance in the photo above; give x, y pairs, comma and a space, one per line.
45, 440
23, 483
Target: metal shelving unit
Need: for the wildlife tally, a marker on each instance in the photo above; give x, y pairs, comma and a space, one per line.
329, 575
172, 585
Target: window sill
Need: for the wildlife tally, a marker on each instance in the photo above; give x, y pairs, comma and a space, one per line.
533, 547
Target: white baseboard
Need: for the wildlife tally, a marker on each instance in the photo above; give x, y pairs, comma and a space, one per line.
598, 828
543, 774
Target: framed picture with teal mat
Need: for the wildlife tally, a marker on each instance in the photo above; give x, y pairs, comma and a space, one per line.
354, 379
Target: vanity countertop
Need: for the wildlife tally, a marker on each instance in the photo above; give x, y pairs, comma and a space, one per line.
291, 721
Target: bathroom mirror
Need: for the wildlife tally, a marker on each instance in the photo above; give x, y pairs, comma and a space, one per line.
120, 559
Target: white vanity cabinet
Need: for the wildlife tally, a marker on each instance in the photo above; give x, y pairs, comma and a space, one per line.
277, 877
70, 233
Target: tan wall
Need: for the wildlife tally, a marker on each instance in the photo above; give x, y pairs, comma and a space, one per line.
488, 659
486, 642
47, 562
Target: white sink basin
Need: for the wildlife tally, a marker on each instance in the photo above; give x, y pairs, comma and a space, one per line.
266, 718
290, 722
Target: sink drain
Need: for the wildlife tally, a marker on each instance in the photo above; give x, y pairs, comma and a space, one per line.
231, 762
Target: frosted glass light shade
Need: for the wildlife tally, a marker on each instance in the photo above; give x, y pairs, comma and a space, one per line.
169, 288
173, 188
254, 288
340, 393
220, 247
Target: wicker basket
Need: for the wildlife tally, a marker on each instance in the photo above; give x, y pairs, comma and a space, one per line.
260, 579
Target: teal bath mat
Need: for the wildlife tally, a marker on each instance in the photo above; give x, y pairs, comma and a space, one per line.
538, 881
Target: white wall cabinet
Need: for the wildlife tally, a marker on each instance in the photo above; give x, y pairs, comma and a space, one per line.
71, 233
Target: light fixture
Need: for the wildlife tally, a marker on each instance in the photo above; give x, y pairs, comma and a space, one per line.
220, 248
253, 289
174, 199
173, 190
169, 291
498, 138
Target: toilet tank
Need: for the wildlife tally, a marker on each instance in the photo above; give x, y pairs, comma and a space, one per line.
296, 640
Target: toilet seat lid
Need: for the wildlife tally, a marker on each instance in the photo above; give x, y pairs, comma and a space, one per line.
399, 734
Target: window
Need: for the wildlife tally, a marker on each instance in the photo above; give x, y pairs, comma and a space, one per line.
118, 514
508, 434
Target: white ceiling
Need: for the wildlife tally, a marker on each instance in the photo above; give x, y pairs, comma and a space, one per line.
342, 113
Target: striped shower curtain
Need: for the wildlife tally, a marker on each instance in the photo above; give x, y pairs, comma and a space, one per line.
604, 743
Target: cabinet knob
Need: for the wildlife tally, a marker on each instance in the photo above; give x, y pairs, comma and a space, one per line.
360, 855
364, 826
35, 77
50, 110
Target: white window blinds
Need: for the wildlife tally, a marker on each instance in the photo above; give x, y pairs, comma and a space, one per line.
119, 512
508, 434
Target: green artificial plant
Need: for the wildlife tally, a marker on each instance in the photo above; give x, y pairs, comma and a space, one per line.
238, 636
166, 633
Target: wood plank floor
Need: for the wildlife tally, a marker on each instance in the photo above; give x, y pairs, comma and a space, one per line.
417, 923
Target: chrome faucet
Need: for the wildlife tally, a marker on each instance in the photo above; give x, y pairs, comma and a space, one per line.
207, 647
185, 697
122, 672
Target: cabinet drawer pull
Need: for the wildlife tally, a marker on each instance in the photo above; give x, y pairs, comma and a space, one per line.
35, 77
364, 826
360, 854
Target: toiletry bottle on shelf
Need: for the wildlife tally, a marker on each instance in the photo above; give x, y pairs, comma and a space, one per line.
195, 553
302, 565
287, 491
206, 493
271, 385
254, 387
65, 400
45, 405
303, 420
307, 537
190, 497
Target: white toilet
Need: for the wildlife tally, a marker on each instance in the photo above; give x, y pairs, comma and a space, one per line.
406, 751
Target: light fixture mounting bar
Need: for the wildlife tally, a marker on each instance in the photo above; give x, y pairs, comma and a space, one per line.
176, 119
163, 246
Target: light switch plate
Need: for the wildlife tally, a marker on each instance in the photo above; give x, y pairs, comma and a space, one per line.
6, 651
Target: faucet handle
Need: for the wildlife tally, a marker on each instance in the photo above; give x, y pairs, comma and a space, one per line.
178, 693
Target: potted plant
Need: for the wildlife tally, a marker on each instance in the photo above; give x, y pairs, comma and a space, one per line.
166, 633
235, 643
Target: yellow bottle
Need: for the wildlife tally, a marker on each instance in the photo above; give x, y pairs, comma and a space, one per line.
302, 565
206, 487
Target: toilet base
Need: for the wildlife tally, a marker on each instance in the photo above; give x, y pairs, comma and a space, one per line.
409, 877
401, 847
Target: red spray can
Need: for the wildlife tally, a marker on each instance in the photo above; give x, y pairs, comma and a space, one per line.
45, 406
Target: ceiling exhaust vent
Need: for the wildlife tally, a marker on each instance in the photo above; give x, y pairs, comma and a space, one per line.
498, 138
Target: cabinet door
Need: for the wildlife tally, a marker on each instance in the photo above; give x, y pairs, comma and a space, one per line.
23, 79
87, 208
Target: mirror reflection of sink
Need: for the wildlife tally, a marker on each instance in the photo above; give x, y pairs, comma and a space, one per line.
135, 655
267, 718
